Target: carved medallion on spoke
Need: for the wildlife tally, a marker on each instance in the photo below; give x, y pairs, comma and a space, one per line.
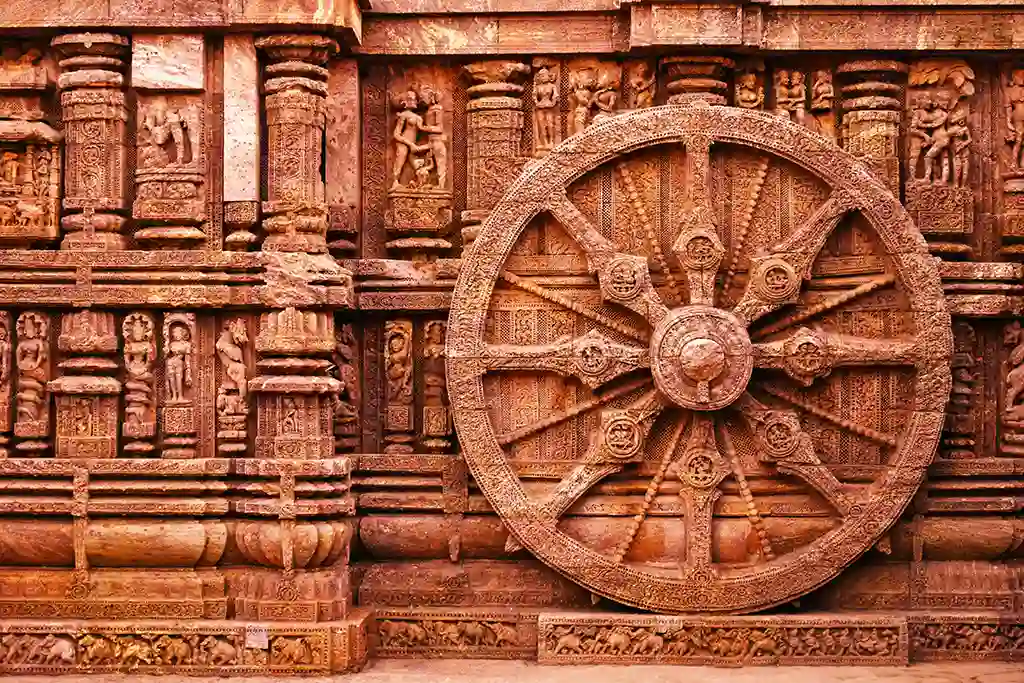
706, 359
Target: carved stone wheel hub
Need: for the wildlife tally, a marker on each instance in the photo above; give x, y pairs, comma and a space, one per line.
701, 357
698, 359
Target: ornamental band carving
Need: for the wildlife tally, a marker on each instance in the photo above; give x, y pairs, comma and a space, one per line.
628, 332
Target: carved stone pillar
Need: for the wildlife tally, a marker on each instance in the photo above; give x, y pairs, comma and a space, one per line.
871, 91
1011, 157
494, 128
295, 398
697, 78
86, 394
34, 366
296, 92
94, 112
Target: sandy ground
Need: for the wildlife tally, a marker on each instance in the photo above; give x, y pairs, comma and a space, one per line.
467, 671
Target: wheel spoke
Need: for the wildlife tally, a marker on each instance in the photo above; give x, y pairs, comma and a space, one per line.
743, 226
848, 425
700, 470
594, 359
785, 445
625, 279
651, 493
823, 307
573, 306
653, 240
578, 409
698, 246
775, 277
619, 441
753, 515
809, 354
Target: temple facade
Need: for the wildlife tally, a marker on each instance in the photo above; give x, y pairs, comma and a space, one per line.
579, 332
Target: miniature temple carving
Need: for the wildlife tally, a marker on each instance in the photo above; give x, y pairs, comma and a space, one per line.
86, 395
618, 332
30, 152
872, 115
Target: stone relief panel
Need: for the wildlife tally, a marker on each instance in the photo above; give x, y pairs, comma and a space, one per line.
690, 366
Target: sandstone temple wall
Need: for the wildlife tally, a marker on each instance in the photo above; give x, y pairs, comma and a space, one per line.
588, 331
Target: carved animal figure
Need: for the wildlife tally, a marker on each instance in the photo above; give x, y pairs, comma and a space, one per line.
98, 650
218, 652
57, 650
504, 635
136, 651
472, 632
650, 644
173, 651
567, 642
292, 651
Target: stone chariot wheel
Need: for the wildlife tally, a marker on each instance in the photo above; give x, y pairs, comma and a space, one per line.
698, 359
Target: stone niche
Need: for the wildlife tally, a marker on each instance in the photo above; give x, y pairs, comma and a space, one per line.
640, 332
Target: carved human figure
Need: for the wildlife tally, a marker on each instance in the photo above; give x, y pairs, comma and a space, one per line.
290, 419
139, 355
604, 101
232, 360
399, 368
32, 355
583, 98
178, 364
545, 97
345, 409
783, 106
1012, 404
433, 366
11, 164
433, 126
939, 145
960, 136
642, 82
162, 138
823, 93
407, 127
5, 354
798, 97
1015, 117
749, 95
422, 165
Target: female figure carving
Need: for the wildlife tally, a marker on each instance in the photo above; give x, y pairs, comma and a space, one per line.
178, 364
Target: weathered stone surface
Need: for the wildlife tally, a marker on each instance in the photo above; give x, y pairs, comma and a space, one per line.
170, 62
